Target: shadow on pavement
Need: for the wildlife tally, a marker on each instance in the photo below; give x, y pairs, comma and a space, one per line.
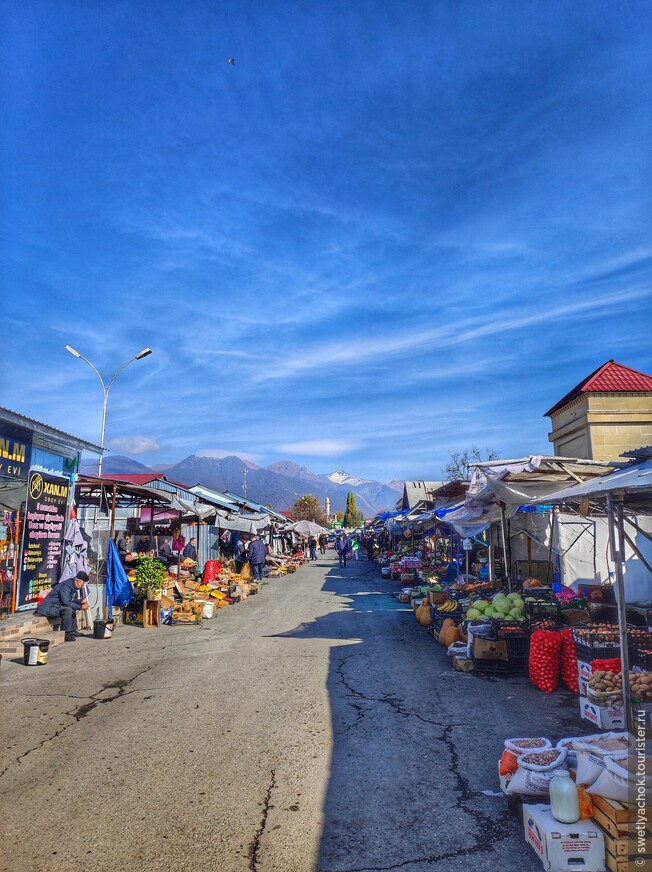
414, 743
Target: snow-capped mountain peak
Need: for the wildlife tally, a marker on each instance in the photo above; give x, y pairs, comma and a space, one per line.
341, 477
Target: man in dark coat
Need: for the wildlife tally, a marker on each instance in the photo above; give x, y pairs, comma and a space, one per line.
257, 557
342, 546
64, 601
190, 551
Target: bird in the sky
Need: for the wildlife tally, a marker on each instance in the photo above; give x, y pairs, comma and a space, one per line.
232, 61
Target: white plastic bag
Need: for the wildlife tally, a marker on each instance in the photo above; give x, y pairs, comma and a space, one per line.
617, 782
458, 649
591, 757
533, 779
569, 744
518, 750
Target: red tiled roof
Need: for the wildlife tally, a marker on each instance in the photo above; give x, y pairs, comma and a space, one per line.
135, 477
611, 377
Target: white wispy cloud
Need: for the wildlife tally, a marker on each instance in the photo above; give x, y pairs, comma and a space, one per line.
450, 335
134, 444
320, 447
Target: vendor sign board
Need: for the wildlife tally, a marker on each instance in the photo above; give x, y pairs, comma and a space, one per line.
563, 846
15, 450
45, 518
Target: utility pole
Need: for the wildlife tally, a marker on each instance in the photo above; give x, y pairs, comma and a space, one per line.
245, 473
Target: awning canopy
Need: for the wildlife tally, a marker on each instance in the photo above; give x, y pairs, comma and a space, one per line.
633, 483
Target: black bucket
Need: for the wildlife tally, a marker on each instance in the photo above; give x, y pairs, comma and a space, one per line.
102, 629
35, 651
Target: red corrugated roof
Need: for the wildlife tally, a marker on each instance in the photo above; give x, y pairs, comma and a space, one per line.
135, 477
611, 377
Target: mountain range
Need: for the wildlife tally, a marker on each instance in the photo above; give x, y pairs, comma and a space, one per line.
278, 485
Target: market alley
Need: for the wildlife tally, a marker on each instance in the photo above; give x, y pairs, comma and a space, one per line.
313, 727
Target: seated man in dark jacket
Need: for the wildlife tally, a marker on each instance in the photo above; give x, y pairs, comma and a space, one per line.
64, 601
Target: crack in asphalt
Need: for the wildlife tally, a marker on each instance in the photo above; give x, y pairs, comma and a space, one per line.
254, 848
490, 830
83, 710
387, 699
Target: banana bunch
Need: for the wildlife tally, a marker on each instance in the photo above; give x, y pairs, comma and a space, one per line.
448, 606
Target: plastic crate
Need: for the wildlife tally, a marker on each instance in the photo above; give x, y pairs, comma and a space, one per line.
596, 638
490, 667
509, 629
639, 640
587, 654
437, 618
552, 624
518, 649
642, 658
548, 609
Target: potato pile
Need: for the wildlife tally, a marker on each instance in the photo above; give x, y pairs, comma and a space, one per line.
611, 683
641, 685
606, 687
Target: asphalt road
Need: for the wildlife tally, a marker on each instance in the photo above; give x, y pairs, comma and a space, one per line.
314, 728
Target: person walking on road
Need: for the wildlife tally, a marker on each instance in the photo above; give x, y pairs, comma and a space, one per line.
370, 548
257, 557
323, 542
355, 547
312, 545
342, 546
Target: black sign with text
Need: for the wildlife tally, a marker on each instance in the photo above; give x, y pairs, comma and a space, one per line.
45, 520
15, 450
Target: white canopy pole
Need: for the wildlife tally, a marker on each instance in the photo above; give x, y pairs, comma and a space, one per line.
618, 554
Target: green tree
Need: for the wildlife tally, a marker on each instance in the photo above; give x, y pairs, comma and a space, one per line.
352, 517
459, 465
308, 508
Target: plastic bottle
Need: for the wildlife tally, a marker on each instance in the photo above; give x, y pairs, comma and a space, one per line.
564, 803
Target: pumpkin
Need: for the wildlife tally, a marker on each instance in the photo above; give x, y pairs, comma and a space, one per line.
448, 623
424, 620
420, 609
451, 636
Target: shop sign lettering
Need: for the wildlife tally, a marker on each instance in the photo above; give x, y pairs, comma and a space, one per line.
45, 519
15, 450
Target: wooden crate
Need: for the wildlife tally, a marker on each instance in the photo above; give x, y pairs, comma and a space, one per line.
617, 822
152, 613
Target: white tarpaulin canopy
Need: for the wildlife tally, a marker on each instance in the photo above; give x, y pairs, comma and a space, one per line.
242, 523
305, 528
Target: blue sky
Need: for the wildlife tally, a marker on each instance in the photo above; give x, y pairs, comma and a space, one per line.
391, 230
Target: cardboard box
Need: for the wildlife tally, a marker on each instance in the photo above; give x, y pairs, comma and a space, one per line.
584, 673
573, 617
603, 717
488, 649
134, 618
437, 597
561, 847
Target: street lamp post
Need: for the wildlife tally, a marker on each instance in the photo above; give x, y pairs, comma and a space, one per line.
106, 388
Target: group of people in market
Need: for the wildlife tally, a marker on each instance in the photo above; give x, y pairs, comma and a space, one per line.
252, 551
348, 548
168, 552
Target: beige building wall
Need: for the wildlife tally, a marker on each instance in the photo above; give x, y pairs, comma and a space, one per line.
602, 426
